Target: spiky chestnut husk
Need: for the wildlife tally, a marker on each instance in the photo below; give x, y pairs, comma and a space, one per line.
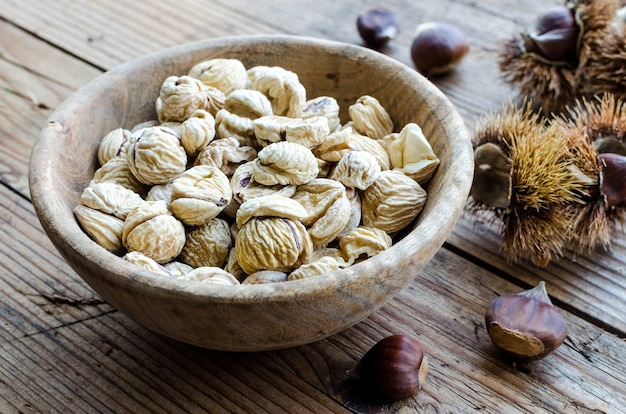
606, 60
537, 222
593, 127
525, 326
555, 84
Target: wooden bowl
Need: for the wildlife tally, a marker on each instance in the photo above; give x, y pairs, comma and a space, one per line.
248, 317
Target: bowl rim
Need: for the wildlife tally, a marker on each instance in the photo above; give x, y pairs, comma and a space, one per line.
40, 180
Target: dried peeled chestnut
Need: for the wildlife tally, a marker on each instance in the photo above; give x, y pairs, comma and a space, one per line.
525, 325
396, 367
377, 26
438, 48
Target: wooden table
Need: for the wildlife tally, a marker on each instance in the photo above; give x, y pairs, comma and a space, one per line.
62, 349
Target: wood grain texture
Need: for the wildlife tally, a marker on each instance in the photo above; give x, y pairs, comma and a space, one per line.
63, 350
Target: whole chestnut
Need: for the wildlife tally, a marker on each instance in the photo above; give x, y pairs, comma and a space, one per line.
377, 26
525, 326
438, 48
395, 367
555, 35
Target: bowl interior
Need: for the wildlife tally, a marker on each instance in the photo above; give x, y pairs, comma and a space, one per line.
64, 159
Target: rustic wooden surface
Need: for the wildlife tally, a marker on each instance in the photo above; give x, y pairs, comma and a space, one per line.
62, 349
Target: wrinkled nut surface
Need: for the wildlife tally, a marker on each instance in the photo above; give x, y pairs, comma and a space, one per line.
298, 195
316, 268
155, 156
161, 192
392, 202
207, 244
179, 97
270, 206
248, 103
328, 209
152, 230
342, 142
225, 154
113, 145
308, 132
227, 75
103, 228
272, 243
364, 242
370, 118
411, 153
235, 126
212, 275
245, 188
265, 276
200, 194
355, 211
197, 131
281, 86
284, 163
111, 198
357, 169
325, 106
117, 171
145, 262
177, 268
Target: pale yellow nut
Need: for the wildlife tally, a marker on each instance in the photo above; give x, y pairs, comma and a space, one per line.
207, 244
103, 228
227, 75
200, 194
357, 169
411, 153
232, 265
333, 252
355, 211
327, 206
177, 268
347, 140
229, 125
270, 206
145, 262
282, 88
284, 163
248, 103
225, 154
210, 275
272, 243
370, 118
245, 188
308, 132
197, 131
156, 156
313, 269
152, 230
117, 171
113, 145
265, 276
179, 97
111, 198
364, 242
392, 202
325, 106
160, 192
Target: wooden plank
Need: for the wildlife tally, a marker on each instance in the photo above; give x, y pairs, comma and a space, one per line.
48, 354
585, 283
36, 79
